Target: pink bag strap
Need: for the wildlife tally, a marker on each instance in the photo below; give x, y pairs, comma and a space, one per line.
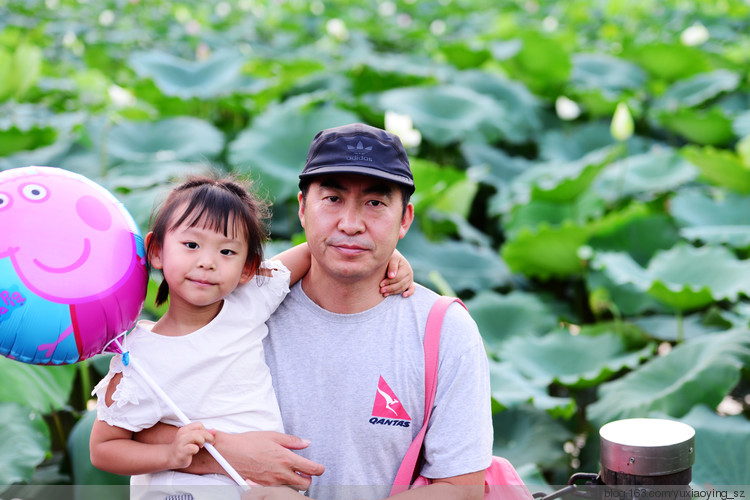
431, 349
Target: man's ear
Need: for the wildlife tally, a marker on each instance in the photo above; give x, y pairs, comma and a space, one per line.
406, 221
301, 211
154, 254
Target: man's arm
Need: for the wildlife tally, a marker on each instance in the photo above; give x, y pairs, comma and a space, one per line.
464, 487
263, 457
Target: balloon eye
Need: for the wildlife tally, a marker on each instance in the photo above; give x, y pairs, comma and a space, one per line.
5, 201
34, 192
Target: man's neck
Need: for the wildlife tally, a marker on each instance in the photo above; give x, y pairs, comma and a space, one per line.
339, 296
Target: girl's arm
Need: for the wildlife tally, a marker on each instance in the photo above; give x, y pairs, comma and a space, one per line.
399, 277
297, 260
113, 450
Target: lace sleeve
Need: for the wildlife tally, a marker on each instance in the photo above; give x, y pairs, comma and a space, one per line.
134, 406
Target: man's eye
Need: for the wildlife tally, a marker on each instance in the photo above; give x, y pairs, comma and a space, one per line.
376, 203
333, 198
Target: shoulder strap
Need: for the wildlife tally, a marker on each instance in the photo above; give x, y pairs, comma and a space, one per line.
431, 349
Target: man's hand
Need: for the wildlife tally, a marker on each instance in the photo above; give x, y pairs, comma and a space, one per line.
265, 458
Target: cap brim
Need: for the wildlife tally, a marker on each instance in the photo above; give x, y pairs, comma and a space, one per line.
355, 169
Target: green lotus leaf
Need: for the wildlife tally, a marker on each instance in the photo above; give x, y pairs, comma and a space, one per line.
13, 140
502, 317
447, 114
510, 389
697, 90
25, 443
542, 63
525, 435
644, 175
606, 74
683, 277
574, 142
219, 75
710, 127
20, 68
181, 138
141, 202
462, 265
445, 188
465, 55
523, 120
624, 298
720, 167
28, 117
547, 252
130, 176
554, 181
699, 371
51, 155
667, 327
536, 213
440, 224
42, 388
720, 219
275, 146
493, 165
722, 449
670, 61
575, 361
741, 125
83, 472
635, 229
25, 127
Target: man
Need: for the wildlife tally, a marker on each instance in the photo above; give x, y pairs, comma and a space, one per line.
348, 364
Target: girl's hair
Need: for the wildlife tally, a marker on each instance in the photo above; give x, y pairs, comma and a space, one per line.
214, 202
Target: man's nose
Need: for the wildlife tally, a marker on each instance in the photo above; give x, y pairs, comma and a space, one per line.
352, 221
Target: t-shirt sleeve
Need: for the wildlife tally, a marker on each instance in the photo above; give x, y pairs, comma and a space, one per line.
134, 407
459, 436
271, 290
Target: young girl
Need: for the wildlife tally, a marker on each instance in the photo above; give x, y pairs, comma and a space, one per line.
206, 351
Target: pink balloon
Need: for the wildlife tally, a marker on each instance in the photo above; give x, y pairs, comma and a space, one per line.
69, 243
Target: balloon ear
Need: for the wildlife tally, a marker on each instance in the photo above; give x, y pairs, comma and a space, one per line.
154, 252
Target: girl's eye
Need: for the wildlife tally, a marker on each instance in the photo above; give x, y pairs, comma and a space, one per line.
191, 245
227, 252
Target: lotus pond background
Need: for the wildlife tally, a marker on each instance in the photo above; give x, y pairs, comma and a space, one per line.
583, 173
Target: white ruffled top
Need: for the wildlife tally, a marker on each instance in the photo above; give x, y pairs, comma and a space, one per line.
216, 375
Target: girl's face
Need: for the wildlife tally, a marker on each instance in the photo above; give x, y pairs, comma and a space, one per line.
202, 266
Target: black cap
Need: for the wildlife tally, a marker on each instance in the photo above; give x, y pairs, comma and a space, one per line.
359, 149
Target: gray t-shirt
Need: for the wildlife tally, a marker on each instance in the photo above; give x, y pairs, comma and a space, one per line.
353, 384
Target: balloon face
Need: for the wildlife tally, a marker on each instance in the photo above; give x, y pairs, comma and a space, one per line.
72, 267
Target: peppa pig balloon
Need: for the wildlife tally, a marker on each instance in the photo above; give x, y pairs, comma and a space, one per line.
72, 266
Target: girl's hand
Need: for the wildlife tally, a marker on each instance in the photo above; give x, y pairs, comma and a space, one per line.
187, 442
399, 277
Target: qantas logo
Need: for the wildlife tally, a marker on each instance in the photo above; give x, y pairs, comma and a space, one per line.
387, 409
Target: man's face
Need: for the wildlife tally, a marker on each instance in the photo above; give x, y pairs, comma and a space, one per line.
352, 223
